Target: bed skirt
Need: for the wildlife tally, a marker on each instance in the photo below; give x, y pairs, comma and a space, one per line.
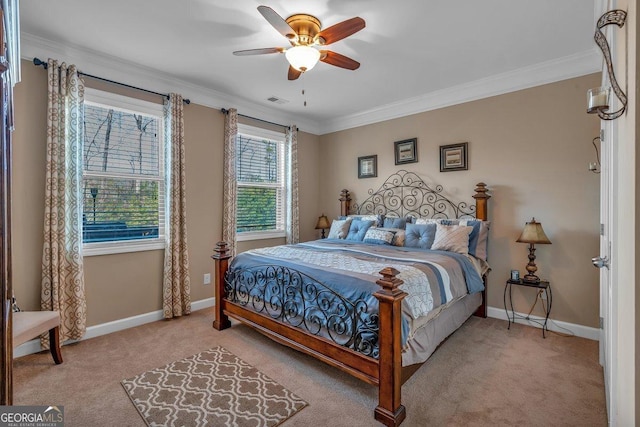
427, 338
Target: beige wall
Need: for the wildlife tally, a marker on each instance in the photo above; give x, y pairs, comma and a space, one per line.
532, 148
124, 285
634, 36
28, 185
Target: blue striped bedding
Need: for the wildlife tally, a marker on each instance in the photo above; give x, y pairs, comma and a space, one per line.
431, 278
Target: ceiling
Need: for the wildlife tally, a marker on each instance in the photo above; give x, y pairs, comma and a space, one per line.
423, 55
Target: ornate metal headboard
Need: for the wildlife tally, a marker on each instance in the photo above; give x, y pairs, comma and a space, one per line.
406, 194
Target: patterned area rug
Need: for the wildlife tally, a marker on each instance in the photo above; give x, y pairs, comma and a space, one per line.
212, 388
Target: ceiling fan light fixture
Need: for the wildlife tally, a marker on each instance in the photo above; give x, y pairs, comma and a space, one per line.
302, 58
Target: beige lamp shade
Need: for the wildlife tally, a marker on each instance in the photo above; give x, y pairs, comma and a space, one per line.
533, 233
323, 222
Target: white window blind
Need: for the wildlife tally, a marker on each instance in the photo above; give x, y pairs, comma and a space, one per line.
260, 167
123, 174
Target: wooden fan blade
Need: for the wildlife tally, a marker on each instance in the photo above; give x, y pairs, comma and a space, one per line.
277, 22
341, 30
258, 51
293, 73
338, 60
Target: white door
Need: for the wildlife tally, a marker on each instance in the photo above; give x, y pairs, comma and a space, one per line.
603, 260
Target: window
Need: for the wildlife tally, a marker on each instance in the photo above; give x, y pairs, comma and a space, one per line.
123, 174
260, 163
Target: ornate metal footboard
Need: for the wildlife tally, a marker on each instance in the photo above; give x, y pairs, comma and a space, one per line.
276, 301
297, 299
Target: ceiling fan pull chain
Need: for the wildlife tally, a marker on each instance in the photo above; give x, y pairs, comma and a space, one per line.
304, 98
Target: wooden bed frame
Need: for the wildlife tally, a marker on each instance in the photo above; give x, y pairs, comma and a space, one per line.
386, 372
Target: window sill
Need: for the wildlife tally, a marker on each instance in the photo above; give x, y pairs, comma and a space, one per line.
259, 235
95, 249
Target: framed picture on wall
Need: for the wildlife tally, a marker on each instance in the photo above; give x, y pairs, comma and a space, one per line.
368, 166
406, 151
453, 157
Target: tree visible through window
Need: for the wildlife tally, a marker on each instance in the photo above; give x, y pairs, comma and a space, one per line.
261, 190
123, 178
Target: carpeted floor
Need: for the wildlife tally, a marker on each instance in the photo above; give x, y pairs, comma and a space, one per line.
483, 375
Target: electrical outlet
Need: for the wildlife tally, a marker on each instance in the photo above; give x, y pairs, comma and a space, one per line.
207, 279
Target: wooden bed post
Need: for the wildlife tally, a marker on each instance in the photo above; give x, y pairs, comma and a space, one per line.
345, 202
482, 213
390, 410
482, 198
221, 258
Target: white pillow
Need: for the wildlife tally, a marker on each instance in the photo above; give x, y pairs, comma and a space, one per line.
339, 228
452, 238
379, 236
436, 221
373, 218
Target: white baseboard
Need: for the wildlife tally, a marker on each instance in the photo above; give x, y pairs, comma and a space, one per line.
33, 346
554, 325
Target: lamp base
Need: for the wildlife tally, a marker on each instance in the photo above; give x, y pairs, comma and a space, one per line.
531, 278
531, 268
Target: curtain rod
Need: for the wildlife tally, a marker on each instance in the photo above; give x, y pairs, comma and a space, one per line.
225, 111
38, 62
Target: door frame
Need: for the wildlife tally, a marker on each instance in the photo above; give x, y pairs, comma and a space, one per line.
619, 330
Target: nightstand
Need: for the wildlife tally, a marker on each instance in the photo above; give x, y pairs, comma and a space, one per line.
545, 286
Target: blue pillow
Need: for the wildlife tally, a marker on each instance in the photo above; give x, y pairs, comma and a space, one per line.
390, 222
420, 235
473, 237
358, 229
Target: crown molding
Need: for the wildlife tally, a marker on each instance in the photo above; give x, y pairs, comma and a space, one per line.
117, 69
114, 68
581, 64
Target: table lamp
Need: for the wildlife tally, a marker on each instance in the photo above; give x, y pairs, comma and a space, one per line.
532, 234
323, 224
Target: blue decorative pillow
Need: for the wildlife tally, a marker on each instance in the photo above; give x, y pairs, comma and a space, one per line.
358, 229
378, 236
420, 235
390, 222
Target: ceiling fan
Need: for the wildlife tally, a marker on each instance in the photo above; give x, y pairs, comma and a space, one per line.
304, 33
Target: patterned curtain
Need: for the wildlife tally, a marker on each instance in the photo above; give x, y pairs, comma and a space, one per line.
62, 266
229, 182
176, 288
293, 220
